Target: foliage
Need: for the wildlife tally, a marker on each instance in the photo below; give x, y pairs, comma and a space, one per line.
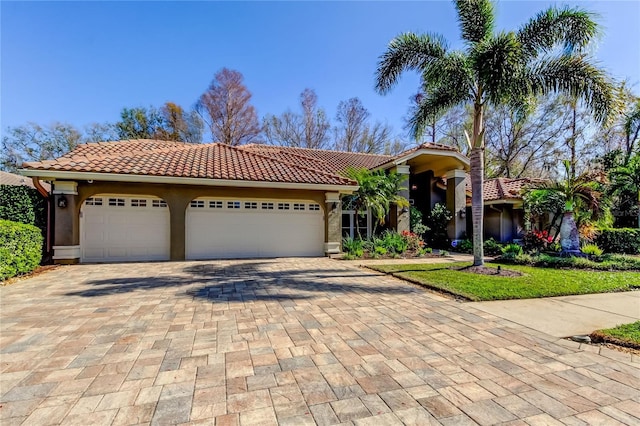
535, 241
353, 246
607, 262
534, 281
377, 191
437, 221
394, 242
512, 249
20, 248
416, 221
309, 129
33, 142
464, 246
592, 250
23, 204
139, 123
492, 247
619, 240
544, 56
414, 241
226, 109
625, 182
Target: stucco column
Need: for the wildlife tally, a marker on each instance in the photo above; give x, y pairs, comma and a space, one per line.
456, 203
399, 216
177, 222
332, 223
66, 242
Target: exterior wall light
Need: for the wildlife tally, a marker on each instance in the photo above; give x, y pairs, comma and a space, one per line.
62, 202
405, 209
463, 213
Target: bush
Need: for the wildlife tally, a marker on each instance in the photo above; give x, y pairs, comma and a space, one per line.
353, 247
512, 248
414, 241
22, 204
464, 246
492, 247
536, 241
394, 242
592, 250
417, 224
20, 248
437, 221
606, 262
622, 240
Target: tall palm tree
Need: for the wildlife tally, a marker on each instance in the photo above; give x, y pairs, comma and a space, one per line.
543, 56
625, 179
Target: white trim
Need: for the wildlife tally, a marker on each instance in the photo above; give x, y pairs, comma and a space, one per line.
400, 160
66, 252
65, 187
115, 177
331, 248
456, 173
403, 169
331, 197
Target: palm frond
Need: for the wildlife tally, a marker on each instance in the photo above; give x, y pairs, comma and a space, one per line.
476, 19
575, 76
569, 28
408, 51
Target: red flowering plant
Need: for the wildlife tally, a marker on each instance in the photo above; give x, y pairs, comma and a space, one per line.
414, 241
537, 240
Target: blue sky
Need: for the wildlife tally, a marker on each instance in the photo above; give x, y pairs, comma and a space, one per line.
82, 62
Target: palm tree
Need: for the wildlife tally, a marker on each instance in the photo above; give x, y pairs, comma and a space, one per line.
542, 57
377, 192
625, 179
577, 193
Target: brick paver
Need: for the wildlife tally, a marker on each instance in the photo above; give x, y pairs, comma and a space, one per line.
288, 341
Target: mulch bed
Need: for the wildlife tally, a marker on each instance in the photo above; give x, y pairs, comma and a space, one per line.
598, 337
39, 270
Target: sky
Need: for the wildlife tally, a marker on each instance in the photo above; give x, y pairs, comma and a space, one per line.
82, 62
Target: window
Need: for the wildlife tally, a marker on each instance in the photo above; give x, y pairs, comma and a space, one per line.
314, 207
158, 203
116, 202
93, 202
267, 206
198, 204
138, 203
283, 206
233, 204
298, 206
215, 204
251, 205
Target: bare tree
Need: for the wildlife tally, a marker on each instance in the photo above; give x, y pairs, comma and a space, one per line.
308, 129
226, 109
354, 133
100, 132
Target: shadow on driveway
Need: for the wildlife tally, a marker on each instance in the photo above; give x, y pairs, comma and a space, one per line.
247, 281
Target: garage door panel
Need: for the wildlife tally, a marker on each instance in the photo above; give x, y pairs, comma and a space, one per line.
253, 232
135, 231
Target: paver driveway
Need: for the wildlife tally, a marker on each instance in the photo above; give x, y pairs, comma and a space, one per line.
294, 341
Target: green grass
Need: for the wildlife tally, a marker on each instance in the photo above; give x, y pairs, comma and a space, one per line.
626, 334
535, 281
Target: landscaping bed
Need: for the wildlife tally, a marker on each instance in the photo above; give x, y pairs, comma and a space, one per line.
533, 282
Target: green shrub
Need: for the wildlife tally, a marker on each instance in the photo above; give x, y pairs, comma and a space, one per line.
464, 246
416, 221
444, 253
380, 251
437, 221
394, 242
607, 262
592, 250
619, 240
22, 204
353, 246
512, 248
20, 248
492, 247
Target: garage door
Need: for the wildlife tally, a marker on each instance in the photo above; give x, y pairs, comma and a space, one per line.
236, 228
116, 228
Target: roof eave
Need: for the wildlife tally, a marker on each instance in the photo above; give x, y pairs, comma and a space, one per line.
428, 151
118, 177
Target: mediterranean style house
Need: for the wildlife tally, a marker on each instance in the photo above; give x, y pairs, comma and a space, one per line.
139, 200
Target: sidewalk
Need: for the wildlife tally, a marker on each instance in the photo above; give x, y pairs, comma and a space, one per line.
568, 315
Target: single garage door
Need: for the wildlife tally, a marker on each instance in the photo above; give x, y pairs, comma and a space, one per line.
116, 228
240, 228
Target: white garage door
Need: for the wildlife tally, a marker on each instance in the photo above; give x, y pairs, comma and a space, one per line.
236, 228
116, 228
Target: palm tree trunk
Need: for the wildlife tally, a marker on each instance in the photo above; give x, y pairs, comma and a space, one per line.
638, 209
477, 205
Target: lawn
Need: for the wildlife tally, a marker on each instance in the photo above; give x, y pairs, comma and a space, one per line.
625, 335
534, 281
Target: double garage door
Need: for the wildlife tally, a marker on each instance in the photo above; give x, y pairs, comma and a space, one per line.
118, 228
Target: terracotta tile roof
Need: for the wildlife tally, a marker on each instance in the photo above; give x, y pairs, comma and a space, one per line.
427, 145
498, 188
211, 161
17, 180
321, 159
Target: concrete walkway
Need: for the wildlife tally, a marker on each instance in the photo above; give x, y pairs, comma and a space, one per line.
289, 342
568, 315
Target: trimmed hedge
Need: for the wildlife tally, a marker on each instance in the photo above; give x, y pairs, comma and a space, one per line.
20, 248
619, 240
21, 203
